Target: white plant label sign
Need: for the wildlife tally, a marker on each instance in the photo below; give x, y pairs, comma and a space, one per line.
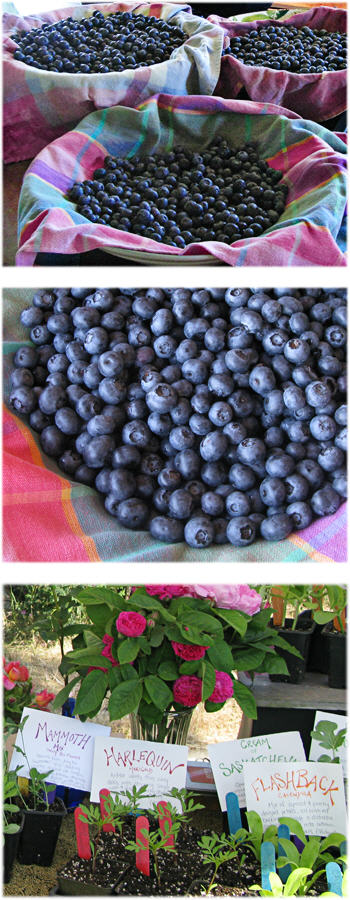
316, 750
119, 764
60, 744
228, 759
311, 792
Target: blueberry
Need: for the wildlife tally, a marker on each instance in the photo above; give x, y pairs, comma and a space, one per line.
241, 531
199, 532
276, 527
163, 528
326, 501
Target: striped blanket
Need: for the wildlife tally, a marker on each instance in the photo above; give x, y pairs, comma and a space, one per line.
39, 106
50, 518
318, 96
311, 158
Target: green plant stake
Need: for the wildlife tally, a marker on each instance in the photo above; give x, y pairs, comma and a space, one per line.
268, 863
283, 871
334, 878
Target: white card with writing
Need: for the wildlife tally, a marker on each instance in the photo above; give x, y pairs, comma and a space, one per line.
119, 764
60, 744
229, 758
316, 750
311, 792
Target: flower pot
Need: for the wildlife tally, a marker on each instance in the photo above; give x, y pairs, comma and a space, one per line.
300, 638
172, 729
10, 850
336, 641
318, 650
71, 887
39, 835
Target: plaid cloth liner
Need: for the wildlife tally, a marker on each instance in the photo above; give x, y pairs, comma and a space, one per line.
50, 518
318, 96
39, 106
311, 158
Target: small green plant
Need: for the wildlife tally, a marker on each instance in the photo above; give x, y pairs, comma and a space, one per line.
135, 798
216, 850
314, 854
296, 597
39, 789
330, 738
93, 816
187, 803
9, 792
334, 596
155, 841
295, 886
256, 834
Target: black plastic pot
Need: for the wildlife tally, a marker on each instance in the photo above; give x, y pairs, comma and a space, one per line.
10, 851
39, 835
301, 640
318, 650
72, 888
336, 656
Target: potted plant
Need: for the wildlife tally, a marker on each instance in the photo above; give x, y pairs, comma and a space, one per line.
295, 629
13, 818
156, 658
332, 616
43, 813
101, 855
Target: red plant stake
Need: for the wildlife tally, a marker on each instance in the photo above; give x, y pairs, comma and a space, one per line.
82, 834
164, 816
104, 795
142, 855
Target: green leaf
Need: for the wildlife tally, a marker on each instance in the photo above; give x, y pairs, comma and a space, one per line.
294, 827
114, 677
191, 667
220, 657
168, 670
125, 699
212, 707
92, 692
245, 699
141, 600
295, 880
281, 642
234, 618
128, 672
63, 695
156, 636
12, 828
92, 596
274, 665
84, 656
128, 650
310, 853
208, 679
291, 853
243, 660
159, 693
202, 622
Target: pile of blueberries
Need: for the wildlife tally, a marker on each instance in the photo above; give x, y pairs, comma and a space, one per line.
222, 194
99, 43
302, 50
209, 416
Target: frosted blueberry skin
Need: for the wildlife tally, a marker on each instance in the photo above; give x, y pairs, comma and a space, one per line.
227, 457
301, 50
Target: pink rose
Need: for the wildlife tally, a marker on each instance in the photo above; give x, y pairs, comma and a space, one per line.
229, 596
43, 699
16, 672
187, 690
132, 624
223, 689
8, 685
189, 651
167, 591
107, 651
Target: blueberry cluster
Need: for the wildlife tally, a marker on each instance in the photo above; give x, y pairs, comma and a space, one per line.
208, 416
99, 43
222, 194
286, 47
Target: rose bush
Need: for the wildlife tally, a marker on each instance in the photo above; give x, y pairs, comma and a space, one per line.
166, 647
18, 692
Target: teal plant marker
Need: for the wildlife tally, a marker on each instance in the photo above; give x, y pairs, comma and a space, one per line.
268, 863
233, 812
334, 878
343, 846
284, 871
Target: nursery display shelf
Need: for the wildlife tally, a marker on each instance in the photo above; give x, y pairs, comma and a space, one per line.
312, 693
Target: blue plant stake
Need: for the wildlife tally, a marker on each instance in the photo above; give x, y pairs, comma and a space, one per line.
284, 871
268, 864
334, 878
233, 812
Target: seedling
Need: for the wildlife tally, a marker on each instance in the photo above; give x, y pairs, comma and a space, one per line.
95, 819
10, 790
39, 789
328, 737
217, 850
154, 841
135, 798
256, 834
187, 803
295, 886
314, 854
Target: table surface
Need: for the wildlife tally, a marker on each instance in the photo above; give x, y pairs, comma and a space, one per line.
312, 693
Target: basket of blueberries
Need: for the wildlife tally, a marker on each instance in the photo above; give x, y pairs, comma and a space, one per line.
95, 58
209, 417
188, 179
300, 63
